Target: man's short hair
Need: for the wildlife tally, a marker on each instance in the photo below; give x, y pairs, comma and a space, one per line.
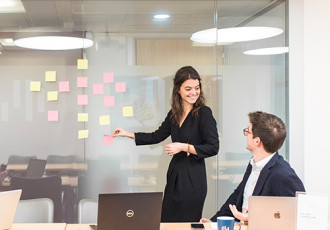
270, 129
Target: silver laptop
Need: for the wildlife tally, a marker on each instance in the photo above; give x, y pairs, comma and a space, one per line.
35, 169
138, 211
272, 213
9, 202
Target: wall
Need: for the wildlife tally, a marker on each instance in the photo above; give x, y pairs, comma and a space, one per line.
309, 92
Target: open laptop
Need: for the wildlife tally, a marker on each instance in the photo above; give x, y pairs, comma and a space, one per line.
272, 213
35, 169
9, 202
138, 211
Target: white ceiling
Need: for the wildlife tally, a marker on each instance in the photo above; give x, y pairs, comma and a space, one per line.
127, 16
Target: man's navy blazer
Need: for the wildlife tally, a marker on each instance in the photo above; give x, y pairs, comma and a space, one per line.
277, 178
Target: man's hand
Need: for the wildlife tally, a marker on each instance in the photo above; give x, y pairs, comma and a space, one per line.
204, 220
239, 215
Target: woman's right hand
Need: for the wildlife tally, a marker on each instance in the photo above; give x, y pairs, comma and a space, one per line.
120, 132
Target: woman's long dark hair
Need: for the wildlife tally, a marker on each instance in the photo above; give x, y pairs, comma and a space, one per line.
183, 74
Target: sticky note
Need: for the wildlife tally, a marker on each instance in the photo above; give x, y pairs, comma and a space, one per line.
107, 139
82, 134
35, 86
120, 87
50, 76
127, 111
82, 117
98, 89
104, 120
82, 64
82, 99
52, 115
82, 82
64, 86
52, 96
108, 77
109, 101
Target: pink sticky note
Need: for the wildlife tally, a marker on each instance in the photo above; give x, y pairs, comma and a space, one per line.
108, 77
107, 139
109, 101
82, 82
120, 87
52, 115
98, 89
82, 99
64, 86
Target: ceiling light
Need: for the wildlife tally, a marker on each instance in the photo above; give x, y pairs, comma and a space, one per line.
235, 34
161, 17
11, 6
53, 43
7, 42
268, 51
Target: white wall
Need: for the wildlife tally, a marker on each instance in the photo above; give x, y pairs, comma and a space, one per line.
309, 92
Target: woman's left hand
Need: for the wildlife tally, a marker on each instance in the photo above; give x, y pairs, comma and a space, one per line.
174, 148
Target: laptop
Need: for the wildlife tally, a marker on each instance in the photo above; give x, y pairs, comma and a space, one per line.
35, 169
272, 213
9, 202
138, 211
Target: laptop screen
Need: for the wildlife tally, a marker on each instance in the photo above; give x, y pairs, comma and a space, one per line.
35, 168
138, 211
9, 202
272, 213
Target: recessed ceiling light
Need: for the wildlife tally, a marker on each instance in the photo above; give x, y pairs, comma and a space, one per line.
53, 43
11, 6
235, 34
161, 16
268, 51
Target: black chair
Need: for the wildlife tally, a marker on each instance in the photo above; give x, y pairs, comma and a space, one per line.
47, 187
18, 159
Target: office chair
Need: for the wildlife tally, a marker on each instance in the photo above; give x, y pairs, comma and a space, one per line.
35, 211
17, 159
47, 187
87, 211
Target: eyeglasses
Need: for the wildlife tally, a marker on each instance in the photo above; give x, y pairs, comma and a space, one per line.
246, 131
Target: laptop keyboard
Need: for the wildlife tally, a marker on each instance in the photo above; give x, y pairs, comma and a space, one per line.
93, 226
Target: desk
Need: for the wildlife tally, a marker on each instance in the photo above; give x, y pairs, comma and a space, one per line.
43, 226
50, 167
163, 226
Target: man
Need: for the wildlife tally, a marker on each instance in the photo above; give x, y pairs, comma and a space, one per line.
268, 174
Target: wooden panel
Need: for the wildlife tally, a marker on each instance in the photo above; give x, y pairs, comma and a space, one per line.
173, 52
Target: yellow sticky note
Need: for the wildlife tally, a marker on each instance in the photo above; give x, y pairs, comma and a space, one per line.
52, 96
82, 64
35, 86
82, 134
50, 76
104, 120
82, 117
128, 111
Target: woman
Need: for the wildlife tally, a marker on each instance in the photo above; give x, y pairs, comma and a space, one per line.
194, 137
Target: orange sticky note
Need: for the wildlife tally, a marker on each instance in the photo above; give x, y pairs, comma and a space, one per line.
52, 115
82, 64
108, 77
109, 101
107, 139
64, 86
120, 87
82, 99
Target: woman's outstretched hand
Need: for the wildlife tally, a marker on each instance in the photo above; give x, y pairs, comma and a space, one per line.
120, 132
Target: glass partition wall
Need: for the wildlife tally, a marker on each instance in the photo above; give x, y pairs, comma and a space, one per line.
68, 102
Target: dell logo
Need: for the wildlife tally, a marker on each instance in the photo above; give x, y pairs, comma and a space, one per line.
277, 215
129, 213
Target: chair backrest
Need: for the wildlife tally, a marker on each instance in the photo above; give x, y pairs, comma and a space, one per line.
17, 159
35, 211
60, 159
87, 211
46, 187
